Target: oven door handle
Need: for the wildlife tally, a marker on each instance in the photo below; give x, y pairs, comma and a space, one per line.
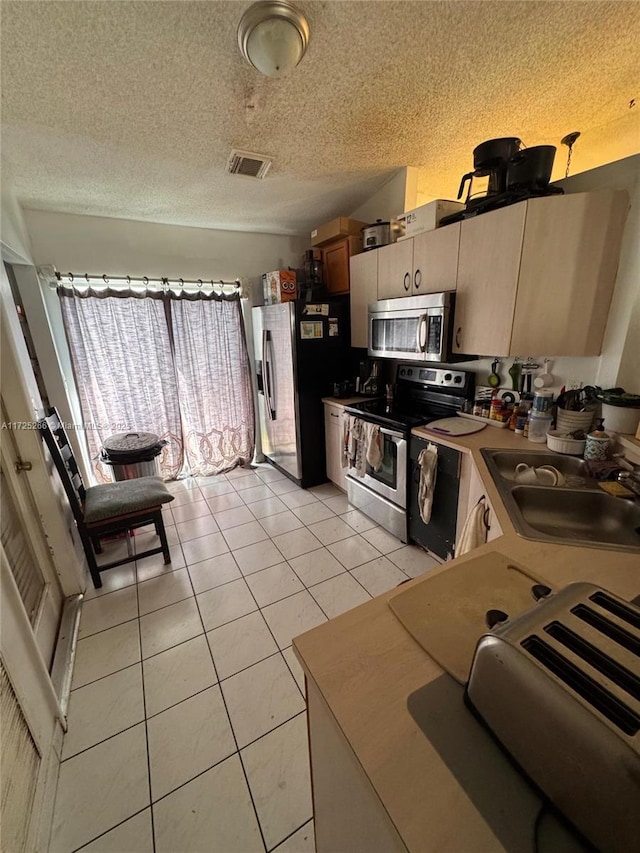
421, 333
397, 435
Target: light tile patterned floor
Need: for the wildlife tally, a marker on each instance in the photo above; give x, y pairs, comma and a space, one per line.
187, 721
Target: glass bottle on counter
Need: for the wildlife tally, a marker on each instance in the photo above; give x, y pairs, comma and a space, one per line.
513, 420
523, 415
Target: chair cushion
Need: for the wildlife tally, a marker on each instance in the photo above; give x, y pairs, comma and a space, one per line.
113, 499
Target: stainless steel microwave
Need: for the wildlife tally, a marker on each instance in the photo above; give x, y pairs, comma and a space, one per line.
418, 328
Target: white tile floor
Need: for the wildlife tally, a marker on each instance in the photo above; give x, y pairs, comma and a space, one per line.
187, 722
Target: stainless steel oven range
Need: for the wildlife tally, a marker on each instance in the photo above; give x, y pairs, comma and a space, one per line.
422, 394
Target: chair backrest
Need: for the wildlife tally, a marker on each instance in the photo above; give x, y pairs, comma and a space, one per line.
57, 442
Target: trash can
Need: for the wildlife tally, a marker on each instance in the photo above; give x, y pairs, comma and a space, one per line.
132, 454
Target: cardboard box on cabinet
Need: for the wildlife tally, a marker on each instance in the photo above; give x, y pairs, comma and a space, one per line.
341, 226
279, 286
428, 216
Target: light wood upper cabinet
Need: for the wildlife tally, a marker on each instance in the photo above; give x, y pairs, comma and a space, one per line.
395, 270
567, 272
364, 290
427, 263
537, 277
488, 265
435, 260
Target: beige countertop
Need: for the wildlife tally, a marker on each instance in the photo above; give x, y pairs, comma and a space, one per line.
444, 783
341, 402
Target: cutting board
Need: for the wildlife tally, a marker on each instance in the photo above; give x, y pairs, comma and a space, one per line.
445, 614
454, 426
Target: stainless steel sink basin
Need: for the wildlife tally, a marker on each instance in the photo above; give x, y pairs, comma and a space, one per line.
578, 513
579, 516
503, 463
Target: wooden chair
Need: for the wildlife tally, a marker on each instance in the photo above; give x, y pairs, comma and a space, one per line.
106, 509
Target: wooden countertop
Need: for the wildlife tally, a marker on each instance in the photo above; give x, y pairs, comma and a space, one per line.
444, 783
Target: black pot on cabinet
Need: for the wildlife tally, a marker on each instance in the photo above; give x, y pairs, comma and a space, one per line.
530, 169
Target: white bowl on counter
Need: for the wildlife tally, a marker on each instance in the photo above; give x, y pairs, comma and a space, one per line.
558, 442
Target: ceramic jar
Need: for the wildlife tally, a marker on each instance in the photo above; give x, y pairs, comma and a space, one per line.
597, 446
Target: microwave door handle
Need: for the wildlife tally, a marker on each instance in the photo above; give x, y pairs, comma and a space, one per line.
421, 333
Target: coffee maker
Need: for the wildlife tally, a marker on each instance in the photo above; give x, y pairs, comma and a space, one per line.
514, 174
490, 160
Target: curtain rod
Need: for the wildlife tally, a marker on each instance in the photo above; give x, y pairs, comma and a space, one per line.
56, 278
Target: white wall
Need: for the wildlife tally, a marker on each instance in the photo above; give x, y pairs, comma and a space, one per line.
96, 245
398, 194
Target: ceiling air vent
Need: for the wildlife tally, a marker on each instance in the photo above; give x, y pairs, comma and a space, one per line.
250, 165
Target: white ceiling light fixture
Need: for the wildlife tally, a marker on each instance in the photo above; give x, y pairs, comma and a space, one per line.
273, 36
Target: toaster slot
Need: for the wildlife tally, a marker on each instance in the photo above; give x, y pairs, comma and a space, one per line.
610, 668
618, 608
609, 629
599, 697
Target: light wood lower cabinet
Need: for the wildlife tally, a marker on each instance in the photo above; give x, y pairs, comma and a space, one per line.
333, 436
471, 490
348, 815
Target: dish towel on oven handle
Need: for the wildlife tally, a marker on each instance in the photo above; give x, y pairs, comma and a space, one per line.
428, 464
361, 445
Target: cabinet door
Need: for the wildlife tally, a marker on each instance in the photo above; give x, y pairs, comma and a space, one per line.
435, 260
488, 268
568, 270
333, 443
471, 490
395, 270
335, 258
364, 290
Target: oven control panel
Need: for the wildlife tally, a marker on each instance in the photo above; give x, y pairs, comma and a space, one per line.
433, 376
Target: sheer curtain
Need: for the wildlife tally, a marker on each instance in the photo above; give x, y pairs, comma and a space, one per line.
172, 364
214, 383
121, 354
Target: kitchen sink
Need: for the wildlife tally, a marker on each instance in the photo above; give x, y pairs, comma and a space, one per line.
583, 516
503, 463
578, 513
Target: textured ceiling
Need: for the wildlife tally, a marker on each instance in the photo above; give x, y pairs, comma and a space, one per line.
130, 109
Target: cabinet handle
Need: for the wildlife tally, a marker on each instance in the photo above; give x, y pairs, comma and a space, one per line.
458, 333
417, 279
334, 416
407, 281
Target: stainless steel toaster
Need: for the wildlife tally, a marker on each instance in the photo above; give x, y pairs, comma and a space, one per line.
559, 686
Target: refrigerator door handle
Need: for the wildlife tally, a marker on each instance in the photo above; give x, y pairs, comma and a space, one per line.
268, 375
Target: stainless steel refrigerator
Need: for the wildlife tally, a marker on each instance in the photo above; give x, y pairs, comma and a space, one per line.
301, 350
